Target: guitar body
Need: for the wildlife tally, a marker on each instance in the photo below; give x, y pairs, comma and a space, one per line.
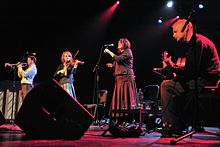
169, 66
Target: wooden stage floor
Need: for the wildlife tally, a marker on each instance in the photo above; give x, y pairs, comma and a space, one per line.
93, 138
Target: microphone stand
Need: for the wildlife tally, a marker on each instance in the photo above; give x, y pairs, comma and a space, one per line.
196, 126
96, 86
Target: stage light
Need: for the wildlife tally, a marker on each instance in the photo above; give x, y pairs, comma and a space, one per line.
177, 17
118, 2
159, 21
170, 4
200, 6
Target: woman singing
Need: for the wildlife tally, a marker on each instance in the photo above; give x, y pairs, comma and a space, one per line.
125, 93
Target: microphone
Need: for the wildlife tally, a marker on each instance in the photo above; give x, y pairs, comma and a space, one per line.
108, 45
157, 69
188, 20
30, 53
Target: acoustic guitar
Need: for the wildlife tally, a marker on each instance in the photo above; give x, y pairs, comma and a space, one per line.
167, 62
180, 63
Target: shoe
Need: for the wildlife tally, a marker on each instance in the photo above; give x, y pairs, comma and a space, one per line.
169, 132
172, 132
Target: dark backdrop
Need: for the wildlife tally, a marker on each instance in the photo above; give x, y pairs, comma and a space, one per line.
50, 27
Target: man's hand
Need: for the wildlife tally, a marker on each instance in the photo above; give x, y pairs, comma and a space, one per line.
168, 62
18, 65
110, 65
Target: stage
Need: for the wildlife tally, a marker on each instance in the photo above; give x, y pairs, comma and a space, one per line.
93, 137
86, 28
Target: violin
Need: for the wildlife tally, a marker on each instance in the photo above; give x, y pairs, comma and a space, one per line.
76, 62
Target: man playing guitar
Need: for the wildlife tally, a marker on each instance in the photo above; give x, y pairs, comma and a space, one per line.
169, 67
202, 63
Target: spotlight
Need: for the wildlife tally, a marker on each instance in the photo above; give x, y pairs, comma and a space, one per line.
118, 2
159, 21
170, 4
177, 16
200, 6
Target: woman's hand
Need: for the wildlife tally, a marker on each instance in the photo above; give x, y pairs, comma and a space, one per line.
63, 71
109, 52
106, 51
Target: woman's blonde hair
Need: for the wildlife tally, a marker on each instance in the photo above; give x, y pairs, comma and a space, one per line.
66, 52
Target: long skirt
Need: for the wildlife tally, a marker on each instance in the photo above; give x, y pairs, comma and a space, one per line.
124, 95
70, 89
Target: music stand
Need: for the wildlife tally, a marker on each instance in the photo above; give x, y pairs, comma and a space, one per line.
12, 126
196, 126
13, 68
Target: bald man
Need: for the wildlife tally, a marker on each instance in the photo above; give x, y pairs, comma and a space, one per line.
202, 63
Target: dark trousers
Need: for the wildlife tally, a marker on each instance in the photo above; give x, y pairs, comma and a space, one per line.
172, 97
177, 101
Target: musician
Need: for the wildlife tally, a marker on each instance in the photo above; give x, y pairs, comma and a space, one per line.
202, 64
125, 93
65, 71
27, 76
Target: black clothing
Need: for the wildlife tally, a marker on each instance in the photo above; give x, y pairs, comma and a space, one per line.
61, 78
202, 64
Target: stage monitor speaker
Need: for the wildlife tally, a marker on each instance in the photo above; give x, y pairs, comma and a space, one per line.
49, 112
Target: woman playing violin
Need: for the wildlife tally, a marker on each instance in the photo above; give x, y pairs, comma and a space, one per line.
65, 71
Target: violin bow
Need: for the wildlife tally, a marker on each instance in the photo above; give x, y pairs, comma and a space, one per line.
76, 54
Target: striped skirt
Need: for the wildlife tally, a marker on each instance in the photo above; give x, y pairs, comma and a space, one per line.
70, 89
124, 95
